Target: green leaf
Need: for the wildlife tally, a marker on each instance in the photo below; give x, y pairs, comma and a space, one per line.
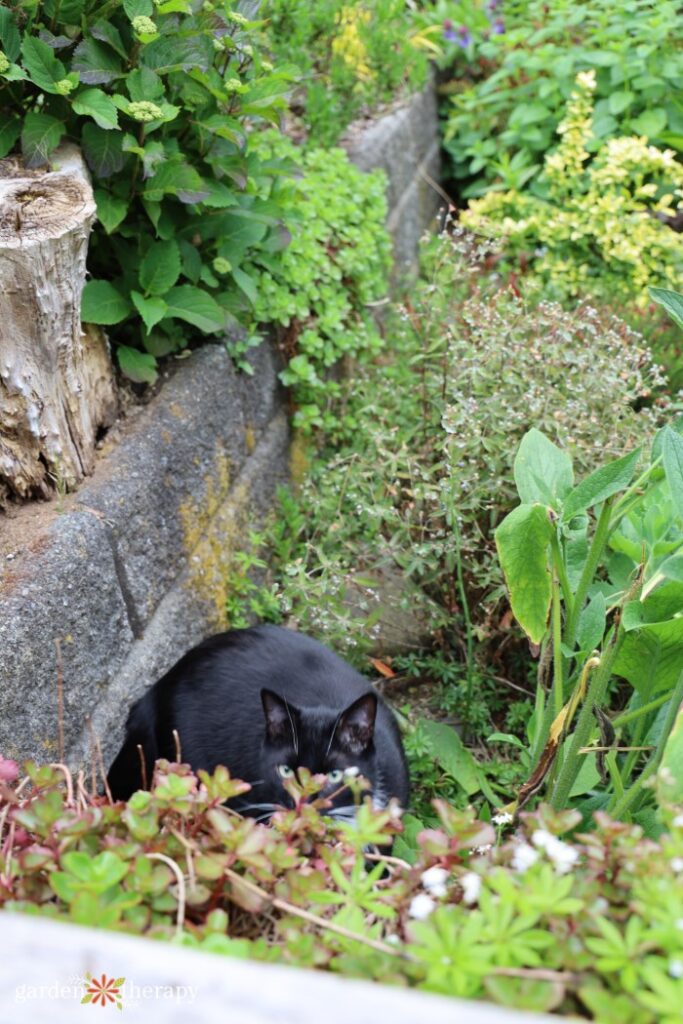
40, 135
65, 12
620, 100
197, 307
237, 235
650, 657
106, 32
10, 40
152, 309
138, 8
448, 749
96, 62
175, 179
543, 472
246, 284
672, 302
111, 210
160, 268
43, 67
650, 122
672, 452
96, 104
102, 303
591, 626
177, 53
672, 568
670, 772
522, 541
102, 150
140, 367
10, 130
601, 484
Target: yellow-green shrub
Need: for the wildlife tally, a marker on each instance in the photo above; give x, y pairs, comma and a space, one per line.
599, 226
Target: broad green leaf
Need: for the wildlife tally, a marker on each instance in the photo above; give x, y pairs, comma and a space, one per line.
219, 195
448, 749
96, 104
40, 135
543, 472
10, 40
145, 84
10, 130
246, 283
650, 122
152, 309
65, 12
44, 69
140, 367
651, 658
237, 235
160, 268
175, 179
620, 100
672, 452
96, 62
136, 8
197, 307
672, 302
102, 150
601, 484
103, 304
670, 772
588, 776
522, 541
111, 210
675, 424
106, 32
672, 568
177, 53
591, 626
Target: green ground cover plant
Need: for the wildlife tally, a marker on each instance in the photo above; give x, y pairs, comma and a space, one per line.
539, 919
353, 57
513, 68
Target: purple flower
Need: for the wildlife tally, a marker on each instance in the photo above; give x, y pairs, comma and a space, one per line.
493, 5
464, 37
461, 35
449, 33
498, 27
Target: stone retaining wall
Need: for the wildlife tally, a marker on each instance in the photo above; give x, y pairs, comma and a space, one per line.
130, 571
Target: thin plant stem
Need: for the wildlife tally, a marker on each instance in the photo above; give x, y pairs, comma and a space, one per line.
629, 716
557, 696
594, 553
595, 696
622, 805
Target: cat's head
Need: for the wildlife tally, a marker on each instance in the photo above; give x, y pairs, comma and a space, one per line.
324, 741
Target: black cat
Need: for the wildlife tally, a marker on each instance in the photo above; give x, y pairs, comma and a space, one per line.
263, 702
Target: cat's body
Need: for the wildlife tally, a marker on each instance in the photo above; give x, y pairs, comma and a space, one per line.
263, 702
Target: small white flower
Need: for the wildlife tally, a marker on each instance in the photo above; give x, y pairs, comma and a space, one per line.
421, 906
434, 880
563, 856
483, 849
523, 857
471, 887
677, 865
502, 819
352, 771
678, 821
676, 968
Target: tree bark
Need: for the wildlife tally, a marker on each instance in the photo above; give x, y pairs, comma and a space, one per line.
57, 385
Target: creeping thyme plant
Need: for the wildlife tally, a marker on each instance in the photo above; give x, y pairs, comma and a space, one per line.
600, 227
539, 918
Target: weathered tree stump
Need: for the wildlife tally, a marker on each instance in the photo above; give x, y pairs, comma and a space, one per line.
56, 381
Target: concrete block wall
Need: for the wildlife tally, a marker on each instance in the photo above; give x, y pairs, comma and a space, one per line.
129, 572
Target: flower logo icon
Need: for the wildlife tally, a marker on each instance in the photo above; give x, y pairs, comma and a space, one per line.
103, 990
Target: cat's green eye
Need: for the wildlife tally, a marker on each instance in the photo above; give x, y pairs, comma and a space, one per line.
336, 776
285, 772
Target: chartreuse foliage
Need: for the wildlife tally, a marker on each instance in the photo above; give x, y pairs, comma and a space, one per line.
159, 96
513, 67
595, 575
585, 925
599, 228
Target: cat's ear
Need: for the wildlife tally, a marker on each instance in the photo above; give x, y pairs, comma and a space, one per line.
280, 724
356, 725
